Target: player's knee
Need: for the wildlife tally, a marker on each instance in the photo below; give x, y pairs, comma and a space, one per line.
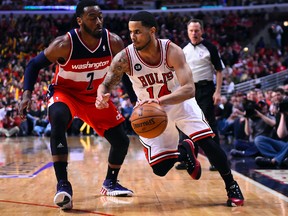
119, 149
162, 168
118, 138
125, 142
59, 114
121, 145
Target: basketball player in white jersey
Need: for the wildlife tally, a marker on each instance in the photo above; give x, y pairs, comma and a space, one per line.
159, 74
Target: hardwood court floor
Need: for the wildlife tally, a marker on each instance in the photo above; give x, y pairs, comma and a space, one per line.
27, 184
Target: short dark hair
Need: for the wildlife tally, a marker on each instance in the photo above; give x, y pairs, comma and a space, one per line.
196, 21
147, 19
82, 4
280, 90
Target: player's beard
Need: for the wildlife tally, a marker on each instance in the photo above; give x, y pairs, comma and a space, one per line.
142, 47
96, 34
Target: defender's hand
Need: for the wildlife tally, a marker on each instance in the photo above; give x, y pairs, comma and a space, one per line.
25, 104
102, 101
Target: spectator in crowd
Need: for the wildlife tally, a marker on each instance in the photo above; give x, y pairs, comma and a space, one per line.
258, 120
275, 151
2, 110
277, 96
222, 112
40, 125
278, 31
285, 87
242, 146
9, 125
33, 116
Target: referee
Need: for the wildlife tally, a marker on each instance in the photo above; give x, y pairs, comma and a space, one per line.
206, 64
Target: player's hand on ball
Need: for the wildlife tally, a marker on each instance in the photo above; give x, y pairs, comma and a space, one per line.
140, 103
102, 101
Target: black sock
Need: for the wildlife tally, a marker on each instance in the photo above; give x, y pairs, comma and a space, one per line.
228, 179
183, 153
112, 173
60, 168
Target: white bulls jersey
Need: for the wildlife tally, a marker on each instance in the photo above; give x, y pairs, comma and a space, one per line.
154, 81
151, 81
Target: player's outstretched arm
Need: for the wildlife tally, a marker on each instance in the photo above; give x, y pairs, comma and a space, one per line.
118, 67
57, 51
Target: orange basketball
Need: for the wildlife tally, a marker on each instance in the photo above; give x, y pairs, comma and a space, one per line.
149, 120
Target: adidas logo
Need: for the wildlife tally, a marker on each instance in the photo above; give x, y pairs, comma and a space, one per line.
60, 145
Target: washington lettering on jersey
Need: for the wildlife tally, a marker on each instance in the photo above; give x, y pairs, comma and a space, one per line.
89, 65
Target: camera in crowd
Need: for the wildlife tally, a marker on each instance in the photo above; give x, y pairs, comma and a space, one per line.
283, 105
250, 107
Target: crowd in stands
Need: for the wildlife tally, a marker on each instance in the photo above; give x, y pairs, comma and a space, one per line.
252, 121
23, 36
124, 4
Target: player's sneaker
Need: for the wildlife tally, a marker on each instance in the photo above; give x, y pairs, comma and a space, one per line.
193, 165
235, 196
113, 188
63, 196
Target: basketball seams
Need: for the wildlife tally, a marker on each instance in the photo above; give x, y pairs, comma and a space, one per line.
155, 116
154, 107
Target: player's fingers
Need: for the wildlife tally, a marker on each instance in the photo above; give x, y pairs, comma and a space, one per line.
137, 104
106, 97
143, 101
101, 103
153, 101
23, 108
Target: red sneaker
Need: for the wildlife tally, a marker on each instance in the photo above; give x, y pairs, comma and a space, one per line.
235, 196
193, 165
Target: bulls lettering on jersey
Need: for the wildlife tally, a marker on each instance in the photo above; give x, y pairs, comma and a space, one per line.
151, 81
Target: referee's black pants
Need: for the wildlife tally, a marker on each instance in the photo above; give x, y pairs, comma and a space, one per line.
204, 97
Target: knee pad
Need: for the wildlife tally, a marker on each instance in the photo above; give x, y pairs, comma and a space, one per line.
59, 116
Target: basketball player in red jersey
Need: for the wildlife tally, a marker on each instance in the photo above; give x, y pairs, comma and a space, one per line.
160, 74
83, 57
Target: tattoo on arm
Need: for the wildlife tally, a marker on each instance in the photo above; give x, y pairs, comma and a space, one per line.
119, 66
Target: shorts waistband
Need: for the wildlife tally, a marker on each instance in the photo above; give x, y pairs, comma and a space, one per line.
204, 83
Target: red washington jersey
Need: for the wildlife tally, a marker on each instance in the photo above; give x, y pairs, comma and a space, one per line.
84, 69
